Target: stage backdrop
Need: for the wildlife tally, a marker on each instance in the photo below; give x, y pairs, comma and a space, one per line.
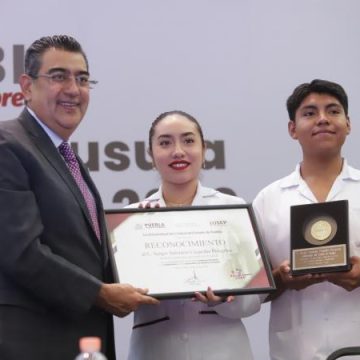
230, 63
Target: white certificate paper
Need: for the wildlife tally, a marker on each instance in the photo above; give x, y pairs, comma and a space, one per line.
175, 252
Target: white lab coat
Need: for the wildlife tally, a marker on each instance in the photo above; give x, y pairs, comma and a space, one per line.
188, 330
311, 323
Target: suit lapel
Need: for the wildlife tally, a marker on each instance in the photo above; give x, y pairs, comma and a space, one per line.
50, 152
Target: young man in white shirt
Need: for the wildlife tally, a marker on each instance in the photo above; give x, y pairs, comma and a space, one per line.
313, 315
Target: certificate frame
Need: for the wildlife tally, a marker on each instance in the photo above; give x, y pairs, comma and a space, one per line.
190, 245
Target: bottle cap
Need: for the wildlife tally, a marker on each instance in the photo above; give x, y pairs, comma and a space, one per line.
90, 344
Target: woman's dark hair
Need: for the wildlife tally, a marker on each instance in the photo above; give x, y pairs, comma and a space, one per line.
169, 113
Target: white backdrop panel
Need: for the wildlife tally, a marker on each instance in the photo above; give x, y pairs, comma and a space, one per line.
230, 63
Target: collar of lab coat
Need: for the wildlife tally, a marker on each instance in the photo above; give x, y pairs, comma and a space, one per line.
201, 196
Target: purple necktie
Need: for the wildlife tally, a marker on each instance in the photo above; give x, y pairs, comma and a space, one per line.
69, 156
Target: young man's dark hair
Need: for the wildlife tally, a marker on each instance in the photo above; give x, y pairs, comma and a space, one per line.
319, 87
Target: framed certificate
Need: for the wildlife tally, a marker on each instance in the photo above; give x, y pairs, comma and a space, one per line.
175, 252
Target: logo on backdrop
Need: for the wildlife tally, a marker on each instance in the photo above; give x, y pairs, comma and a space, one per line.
10, 96
118, 158
117, 153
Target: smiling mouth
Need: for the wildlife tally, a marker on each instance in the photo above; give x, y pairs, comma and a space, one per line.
68, 105
179, 165
323, 132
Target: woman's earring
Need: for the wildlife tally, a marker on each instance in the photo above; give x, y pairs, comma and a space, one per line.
203, 165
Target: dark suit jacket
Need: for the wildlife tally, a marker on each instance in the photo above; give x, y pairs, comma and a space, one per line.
51, 262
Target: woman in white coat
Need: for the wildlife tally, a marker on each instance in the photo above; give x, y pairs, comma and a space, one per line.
208, 326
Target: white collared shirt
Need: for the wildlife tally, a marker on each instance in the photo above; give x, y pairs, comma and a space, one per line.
55, 138
311, 323
188, 330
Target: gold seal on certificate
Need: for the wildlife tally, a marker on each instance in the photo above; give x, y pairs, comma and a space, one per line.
319, 237
175, 252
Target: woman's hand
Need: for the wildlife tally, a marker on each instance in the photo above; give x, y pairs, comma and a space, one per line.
211, 299
148, 205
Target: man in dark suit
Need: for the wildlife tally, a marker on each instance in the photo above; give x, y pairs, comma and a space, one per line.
56, 277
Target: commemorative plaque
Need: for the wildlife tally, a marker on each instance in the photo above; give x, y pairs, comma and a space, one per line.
319, 237
174, 252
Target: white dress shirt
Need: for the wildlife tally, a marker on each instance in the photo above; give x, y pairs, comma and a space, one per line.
55, 138
311, 323
188, 330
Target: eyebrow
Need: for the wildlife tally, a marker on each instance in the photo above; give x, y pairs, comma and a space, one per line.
182, 135
60, 69
334, 104
187, 133
315, 107
164, 136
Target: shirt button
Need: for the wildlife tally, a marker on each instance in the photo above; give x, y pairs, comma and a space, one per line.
184, 337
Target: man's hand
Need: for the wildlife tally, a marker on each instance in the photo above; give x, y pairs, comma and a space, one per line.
349, 280
284, 280
121, 299
298, 282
